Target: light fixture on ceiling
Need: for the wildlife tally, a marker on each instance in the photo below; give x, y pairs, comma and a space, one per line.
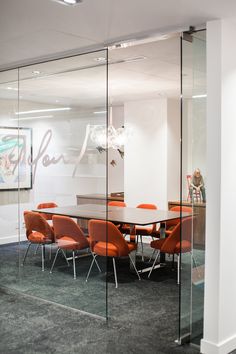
12, 88
29, 118
109, 137
36, 72
44, 110
69, 2
99, 112
199, 96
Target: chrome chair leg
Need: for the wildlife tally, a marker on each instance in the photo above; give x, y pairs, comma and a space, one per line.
134, 266
65, 257
94, 257
141, 239
178, 271
155, 260
153, 252
74, 264
91, 266
26, 252
54, 260
114, 267
43, 256
36, 250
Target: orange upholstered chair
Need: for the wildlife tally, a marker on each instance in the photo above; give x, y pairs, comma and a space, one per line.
173, 244
108, 241
69, 236
172, 223
117, 203
45, 206
38, 231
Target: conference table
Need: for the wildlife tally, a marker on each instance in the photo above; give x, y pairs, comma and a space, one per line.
119, 215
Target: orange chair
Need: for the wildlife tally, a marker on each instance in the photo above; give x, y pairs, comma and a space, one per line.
38, 231
69, 237
109, 242
173, 244
172, 223
117, 203
45, 206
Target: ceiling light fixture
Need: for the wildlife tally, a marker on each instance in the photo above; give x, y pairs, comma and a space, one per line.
44, 110
99, 112
12, 88
69, 2
109, 137
29, 118
199, 96
36, 72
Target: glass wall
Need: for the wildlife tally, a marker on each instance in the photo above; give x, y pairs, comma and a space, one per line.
194, 183
48, 114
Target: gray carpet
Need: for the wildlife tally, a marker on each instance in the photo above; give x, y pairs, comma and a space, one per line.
143, 315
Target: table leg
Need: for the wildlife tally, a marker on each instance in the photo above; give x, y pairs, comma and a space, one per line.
162, 235
132, 233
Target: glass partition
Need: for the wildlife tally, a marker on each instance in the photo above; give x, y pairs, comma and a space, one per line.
53, 109
194, 187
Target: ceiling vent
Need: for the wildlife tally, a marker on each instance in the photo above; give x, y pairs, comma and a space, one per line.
69, 2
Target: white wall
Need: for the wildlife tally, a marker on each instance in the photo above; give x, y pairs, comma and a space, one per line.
173, 149
152, 155
220, 284
146, 153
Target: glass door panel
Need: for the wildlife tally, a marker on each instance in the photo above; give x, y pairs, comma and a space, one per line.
9, 179
60, 103
193, 183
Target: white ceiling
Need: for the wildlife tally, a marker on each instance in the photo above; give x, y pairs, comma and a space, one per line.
40, 28
80, 81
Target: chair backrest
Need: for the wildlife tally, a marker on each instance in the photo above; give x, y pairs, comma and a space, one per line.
36, 222
106, 231
117, 203
64, 226
45, 206
178, 208
184, 229
147, 206
183, 208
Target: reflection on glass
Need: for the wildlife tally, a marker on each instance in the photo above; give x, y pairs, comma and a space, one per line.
194, 183
52, 159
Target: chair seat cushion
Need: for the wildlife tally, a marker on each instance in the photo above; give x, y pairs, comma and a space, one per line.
157, 244
68, 243
110, 250
38, 237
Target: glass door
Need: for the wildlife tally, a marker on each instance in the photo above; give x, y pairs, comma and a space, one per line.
194, 184
51, 110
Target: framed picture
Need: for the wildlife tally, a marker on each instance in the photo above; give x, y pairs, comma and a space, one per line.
15, 158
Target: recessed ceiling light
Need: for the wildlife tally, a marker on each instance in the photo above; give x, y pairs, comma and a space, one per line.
45, 110
36, 72
100, 59
29, 118
69, 2
12, 88
199, 96
100, 112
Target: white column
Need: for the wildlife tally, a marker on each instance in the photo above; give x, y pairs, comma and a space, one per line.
220, 279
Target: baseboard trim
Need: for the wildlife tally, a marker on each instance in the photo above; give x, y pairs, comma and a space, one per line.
224, 347
12, 239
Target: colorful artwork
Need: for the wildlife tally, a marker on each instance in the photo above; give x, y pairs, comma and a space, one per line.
15, 158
